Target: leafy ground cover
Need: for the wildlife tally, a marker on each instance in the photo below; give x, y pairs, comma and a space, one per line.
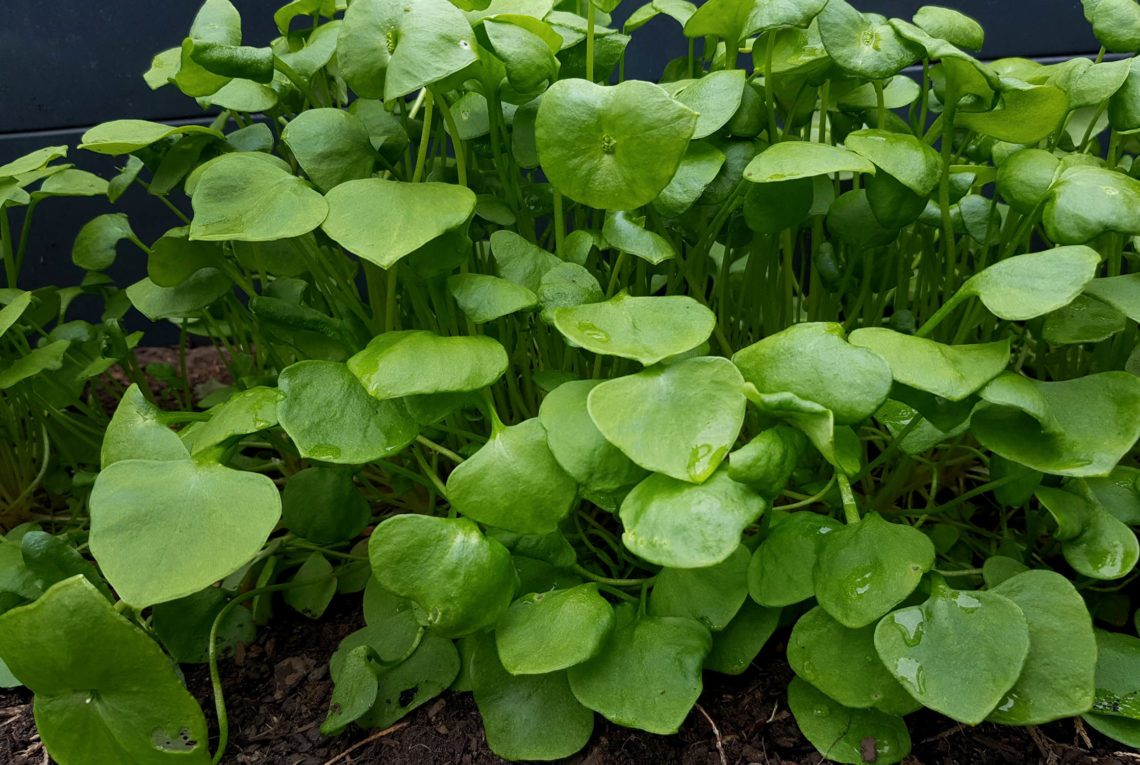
589, 387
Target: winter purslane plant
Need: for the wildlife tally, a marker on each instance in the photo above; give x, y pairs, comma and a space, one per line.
592, 385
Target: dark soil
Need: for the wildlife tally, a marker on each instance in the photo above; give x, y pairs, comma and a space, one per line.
277, 694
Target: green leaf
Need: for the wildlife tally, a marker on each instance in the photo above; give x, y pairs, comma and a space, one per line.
411, 362
173, 258
1057, 680
513, 482
842, 662
1025, 114
413, 682
611, 147
627, 233
1085, 320
242, 197
1121, 292
684, 525
578, 445
331, 145
780, 572
678, 419
520, 261
459, 580
950, 25
737, 19
1116, 23
355, 689
94, 248
389, 50
711, 595
105, 692
646, 329
1093, 542
324, 506
864, 44
527, 717
1026, 176
648, 674
767, 461
696, 171
549, 631
484, 298
184, 625
715, 98
1087, 201
242, 96
1079, 427
565, 285
910, 160
182, 301
1118, 493
164, 530
1030, 285
1117, 687
950, 371
382, 220
865, 569
52, 559
958, 653
737, 645
246, 412
813, 361
330, 416
318, 586
526, 47
15, 308
47, 357
127, 136
788, 160
32, 161
846, 735
135, 432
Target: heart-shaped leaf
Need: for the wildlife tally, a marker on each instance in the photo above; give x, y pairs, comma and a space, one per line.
950, 371
715, 98
788, 160
513, 482
105, 692
648, 674
135, 433
611, 147
397, 364
331, 146
330, 416
164, 530
910, 160
628, 234
847, 735
548, 631
781, 570
647, 329
1087, 201
683, 525
382, 220
958, 653
678, 419
815, 362
1025, 177
459, 580
864, 44
1030, 285
711, 595
484, 298
1057, 680
1094, 542
842, 662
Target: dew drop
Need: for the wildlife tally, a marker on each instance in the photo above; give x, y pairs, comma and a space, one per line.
910, 671
592, 331
324, 452
909, 623
967, 602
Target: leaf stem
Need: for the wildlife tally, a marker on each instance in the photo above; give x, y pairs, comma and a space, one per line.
440, 449
425, 135
850, 508
582, 571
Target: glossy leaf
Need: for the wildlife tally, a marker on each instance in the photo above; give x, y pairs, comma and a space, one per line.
249, 411
105, 692
548, 631
382, 220
697, 169
613, 148
711, 595
715, 98
1087, 201
682, 525
1117, 684
1025, 177
789, 160
1024, 114
781, 570
864, 44
397, 364
646, 329
950, 371
679, 419
958, 653
847, 735
1030, 285
1093, 542
906, 158
513, 482
628, 233
767, 461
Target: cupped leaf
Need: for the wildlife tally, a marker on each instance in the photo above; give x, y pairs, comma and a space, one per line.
679, 419
547, 631
698, 168
648, 674
1117, 687
520, 261
1030, 285
815, 362
578, 445
484, 298
788, 160
847, 735
513, 482
164, 530
646, 329
711, 595
1026, 176
330, 416
611, 147
958, 653
950, 371
105, 692
94, 248
1057, 680
908, 159
737, 19
382, 220
126, 136
864, 43
1116, 23
1121, 292
683, 525
459, 580
245, 198
331, 146
1079, 427
767, 461
354, 690
46, 357
781, 570
397, 364
627, 233
950, 25
1094, 542
1025, 114
715, 98
1087, 201
865, 569
1085, 320
842, 662
565, 285
324, 506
